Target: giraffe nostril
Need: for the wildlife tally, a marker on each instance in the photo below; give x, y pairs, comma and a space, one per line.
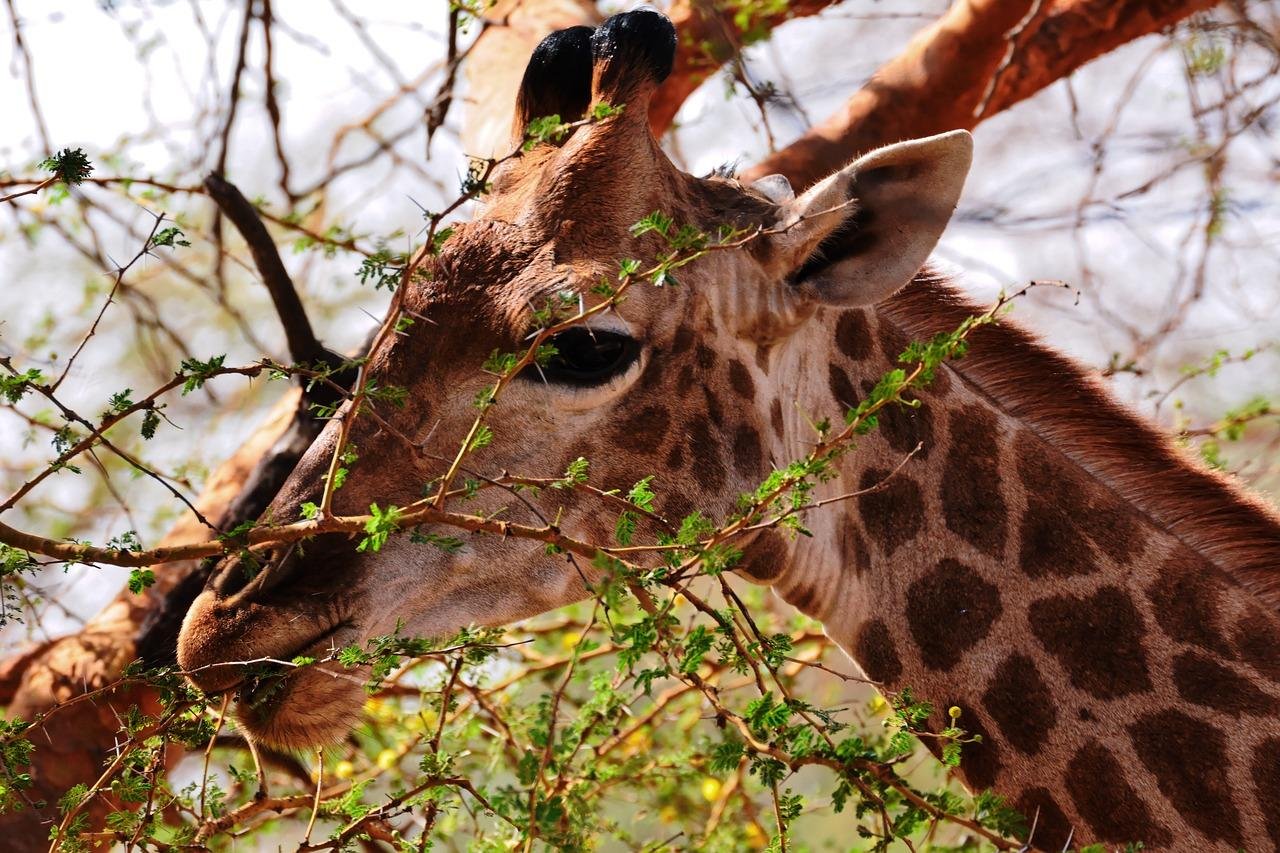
248, 575
230, 575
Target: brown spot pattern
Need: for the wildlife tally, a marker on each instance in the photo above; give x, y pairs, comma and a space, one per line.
1107, 802
775, 418
1258, 642
1186, 599
979, 761
1019, 702
950, 609
705, 449
644, 432
684, 383
841, 388
853, 335
876, 653
1112, 526
941, 384
1051, 827
675, 457
705, 356
748, 455
1051, 542
853, 546
1097, 639
892, 342
971, 500
892, 514
1266, 782
765, 558
803, 597
903, 427
740, 380
1108, 524
715, 413
762, 358
1188, 758
1203, 681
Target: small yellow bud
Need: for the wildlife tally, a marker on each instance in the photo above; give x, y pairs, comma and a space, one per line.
756, 836
710, 789
878, 705
344, 770
954, 712
637, 742
569, 640
388, 759
668, 814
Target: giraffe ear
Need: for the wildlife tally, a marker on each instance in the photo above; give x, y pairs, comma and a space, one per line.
862, 234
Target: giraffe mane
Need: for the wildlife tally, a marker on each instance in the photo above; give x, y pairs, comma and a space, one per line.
1072, 412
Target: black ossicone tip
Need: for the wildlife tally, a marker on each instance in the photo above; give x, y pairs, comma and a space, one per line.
634, 43
557, 80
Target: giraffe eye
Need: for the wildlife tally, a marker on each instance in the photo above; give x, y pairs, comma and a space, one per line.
586, 357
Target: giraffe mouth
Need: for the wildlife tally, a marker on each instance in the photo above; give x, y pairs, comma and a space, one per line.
256, 686
293, 703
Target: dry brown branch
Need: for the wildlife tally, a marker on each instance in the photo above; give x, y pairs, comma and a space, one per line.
940, 81
303, 344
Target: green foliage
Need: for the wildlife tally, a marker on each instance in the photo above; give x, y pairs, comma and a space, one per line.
383, 268
69, 166
381, 524
170, 237
197, 372
150, 421
140, 579
16, 566
14, 388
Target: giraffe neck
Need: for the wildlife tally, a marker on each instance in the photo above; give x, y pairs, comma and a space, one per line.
1120, 661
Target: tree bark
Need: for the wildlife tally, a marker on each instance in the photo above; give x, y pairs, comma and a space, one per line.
978, 59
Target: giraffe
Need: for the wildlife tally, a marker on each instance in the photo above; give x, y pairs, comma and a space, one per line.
1102, 609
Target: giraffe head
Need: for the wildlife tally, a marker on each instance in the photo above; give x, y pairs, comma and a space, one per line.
664, 383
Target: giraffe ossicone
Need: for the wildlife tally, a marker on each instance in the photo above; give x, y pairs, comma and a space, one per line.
1101, 609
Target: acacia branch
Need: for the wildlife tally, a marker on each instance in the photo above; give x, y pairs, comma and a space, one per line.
981, 57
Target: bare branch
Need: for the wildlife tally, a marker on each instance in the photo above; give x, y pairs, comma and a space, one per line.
938, 82
302, 341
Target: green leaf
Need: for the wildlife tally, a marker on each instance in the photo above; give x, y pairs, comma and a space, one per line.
197, 372
642, 495
70, 166
381, 524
